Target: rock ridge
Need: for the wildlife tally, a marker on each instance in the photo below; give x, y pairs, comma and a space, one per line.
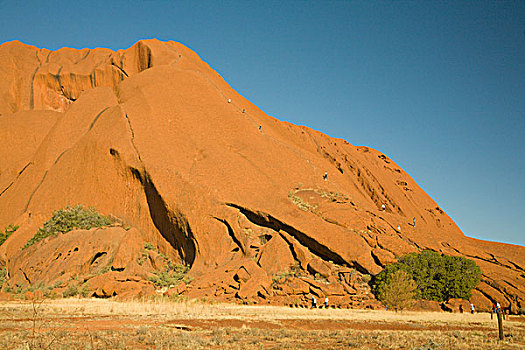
260, 210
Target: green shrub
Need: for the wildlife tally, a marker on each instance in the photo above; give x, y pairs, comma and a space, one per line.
84, 291
171, 276
178, 298
3, 276
8, 231
149, 246
282, 277
70, 291
17, 289
366, 278
438, 277
65, 220
397, 291
39, 286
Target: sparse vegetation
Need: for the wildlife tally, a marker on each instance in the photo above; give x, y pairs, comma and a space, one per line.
161, 324
366, 278
41, 287
16, 289
8, 231
438, 277
430, 345
282, 277
84, 291
303, 205
149, 246
333, 196
171, 276
70, 291
3, 276
65, 220
298, 201
74, 290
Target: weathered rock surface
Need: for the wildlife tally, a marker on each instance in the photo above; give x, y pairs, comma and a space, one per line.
152, 135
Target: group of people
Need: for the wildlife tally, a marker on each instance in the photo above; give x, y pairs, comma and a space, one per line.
496, 309
314, 302
472, 309
383, 208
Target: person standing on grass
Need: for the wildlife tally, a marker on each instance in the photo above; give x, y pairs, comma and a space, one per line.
326, 302
314, 303
460, 308
471, 308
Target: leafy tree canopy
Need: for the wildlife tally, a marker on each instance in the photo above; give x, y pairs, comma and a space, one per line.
397, 291
438, 277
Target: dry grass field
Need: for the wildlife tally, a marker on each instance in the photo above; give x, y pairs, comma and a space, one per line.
107, 324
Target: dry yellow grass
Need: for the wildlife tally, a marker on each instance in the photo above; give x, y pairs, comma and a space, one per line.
198, 309
107, 324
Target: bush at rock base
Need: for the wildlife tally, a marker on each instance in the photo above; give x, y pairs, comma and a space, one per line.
65, 220
438, 277
73, 290
171, 276
397, 291
3, 276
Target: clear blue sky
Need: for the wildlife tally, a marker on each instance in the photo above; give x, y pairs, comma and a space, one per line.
437, 86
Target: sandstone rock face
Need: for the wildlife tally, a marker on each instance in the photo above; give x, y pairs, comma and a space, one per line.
152, 135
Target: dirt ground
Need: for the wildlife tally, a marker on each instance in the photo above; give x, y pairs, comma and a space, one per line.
107, 324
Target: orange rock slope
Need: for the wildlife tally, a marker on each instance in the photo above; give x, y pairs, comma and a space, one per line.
155, 137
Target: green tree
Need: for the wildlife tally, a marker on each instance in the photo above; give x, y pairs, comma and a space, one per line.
438, 277
397, 291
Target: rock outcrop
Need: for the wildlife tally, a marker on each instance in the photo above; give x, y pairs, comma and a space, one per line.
152, 135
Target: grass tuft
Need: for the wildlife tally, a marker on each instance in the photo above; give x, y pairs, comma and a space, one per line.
8, 231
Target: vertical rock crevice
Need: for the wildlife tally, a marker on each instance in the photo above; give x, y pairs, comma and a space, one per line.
231, 233
172, 224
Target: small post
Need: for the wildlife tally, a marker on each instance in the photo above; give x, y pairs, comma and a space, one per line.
500, 325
